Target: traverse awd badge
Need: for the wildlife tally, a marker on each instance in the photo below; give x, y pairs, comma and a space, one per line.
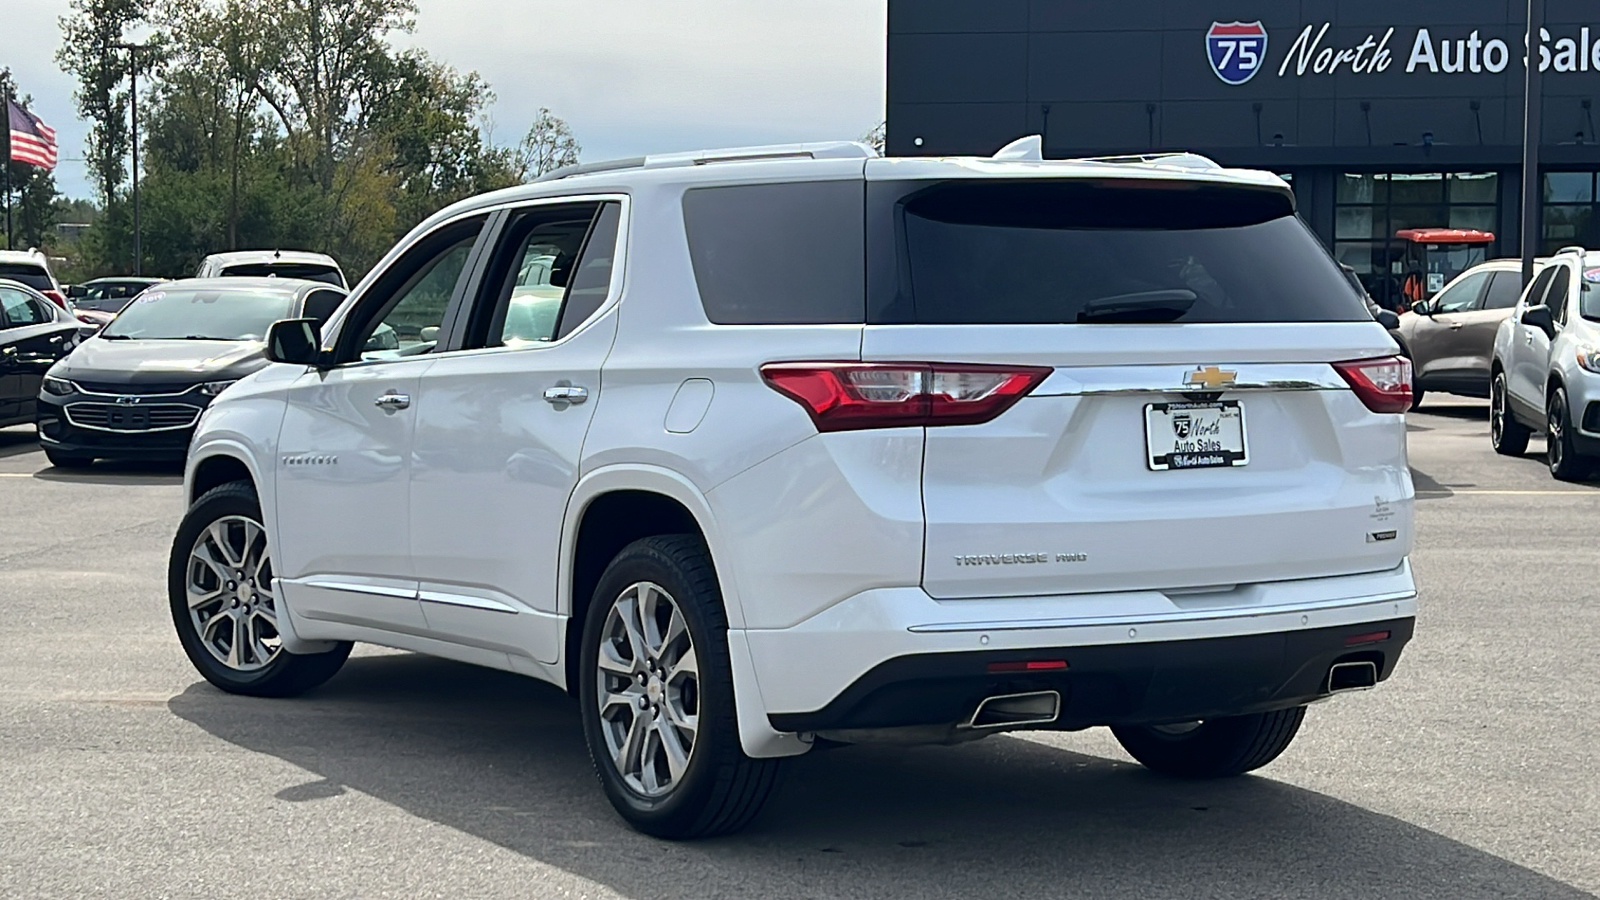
1236, 50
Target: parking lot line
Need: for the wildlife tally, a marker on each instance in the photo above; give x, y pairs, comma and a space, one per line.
1578, 492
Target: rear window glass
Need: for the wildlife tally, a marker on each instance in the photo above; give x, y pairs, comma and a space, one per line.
779, 254
307, 271
32, 276
1033, 253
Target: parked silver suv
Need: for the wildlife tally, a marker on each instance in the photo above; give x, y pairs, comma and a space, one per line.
1546, 368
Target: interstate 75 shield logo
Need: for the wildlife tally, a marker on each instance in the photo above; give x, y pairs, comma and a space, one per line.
1236, 50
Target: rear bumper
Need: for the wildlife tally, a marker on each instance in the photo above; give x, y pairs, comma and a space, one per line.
1152, 683
888, 655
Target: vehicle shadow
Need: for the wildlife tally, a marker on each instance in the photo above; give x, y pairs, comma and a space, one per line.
17, 441
126, 473
1469, 411
501, 757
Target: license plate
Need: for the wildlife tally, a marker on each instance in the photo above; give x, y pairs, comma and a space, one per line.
1195, 435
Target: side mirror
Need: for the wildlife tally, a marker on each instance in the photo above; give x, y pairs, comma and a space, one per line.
295, 341
1387, 319
75, 291
1423, 307
1539, 317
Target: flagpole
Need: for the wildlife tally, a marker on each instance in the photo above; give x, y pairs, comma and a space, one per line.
5, 169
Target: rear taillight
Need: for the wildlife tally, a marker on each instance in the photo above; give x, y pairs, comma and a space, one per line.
56, 297
1384, 385
847, 396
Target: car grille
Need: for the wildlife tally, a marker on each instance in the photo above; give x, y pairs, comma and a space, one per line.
117, 417
96, 387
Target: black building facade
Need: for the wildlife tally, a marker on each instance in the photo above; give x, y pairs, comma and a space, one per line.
1383, 114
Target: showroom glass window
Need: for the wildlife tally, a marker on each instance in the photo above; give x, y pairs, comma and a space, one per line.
1570, 217
1370, 207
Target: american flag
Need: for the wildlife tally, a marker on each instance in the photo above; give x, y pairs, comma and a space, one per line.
32, 141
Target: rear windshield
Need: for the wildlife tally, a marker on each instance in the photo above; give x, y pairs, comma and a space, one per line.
208, 315
32, 276
307, 271
1033, 253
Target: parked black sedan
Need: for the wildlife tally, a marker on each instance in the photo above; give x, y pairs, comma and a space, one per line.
34, 334
136, 389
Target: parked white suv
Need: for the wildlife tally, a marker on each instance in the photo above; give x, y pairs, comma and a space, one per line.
757, 448
1545, 375
272, 263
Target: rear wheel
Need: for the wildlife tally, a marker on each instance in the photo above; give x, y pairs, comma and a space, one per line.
1214, 748
1566, 464
1509, 437
225, 605
66, 460
1416, 397
655, 692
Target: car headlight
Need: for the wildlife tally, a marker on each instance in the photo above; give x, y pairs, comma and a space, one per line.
213, 388
1589, 358
59, 387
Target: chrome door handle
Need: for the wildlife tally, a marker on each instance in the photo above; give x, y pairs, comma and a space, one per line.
1455, 326
565, 394
392, 401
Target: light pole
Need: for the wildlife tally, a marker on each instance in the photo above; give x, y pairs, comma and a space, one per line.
133, 105
1532, 106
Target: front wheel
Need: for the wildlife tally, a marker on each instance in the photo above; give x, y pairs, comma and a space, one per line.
1566, 464
1508, 436
1214, 748
655, 691
225, 604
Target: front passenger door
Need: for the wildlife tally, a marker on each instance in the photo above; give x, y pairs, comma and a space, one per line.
33, 337
501, 425
1436, 340
1530, 365
344, 449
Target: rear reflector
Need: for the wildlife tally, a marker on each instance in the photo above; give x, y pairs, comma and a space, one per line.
1371, 638
1032, 665
843, 396
1384, 384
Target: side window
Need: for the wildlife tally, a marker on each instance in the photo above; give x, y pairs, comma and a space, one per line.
1463, 295
1503, 291
20, 309
1541, 284
591, 280
1556, 299
402, 313
530, 275
320, 305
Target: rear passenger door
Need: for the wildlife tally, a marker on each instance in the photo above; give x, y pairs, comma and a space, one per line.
501, 421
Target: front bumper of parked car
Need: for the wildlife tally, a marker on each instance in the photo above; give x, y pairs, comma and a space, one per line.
133, 426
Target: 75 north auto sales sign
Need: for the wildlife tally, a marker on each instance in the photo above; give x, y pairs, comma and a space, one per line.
1237, 51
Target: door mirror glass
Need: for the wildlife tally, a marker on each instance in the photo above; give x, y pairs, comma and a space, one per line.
75, 291
1539, 317
295, 341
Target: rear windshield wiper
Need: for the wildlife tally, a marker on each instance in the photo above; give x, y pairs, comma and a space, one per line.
1145, 306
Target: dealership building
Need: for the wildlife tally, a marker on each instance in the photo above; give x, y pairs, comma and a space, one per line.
1384, 115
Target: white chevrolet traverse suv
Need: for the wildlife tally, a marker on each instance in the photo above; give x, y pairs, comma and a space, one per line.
763, 449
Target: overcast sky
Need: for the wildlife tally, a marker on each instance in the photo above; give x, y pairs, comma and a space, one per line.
630, 76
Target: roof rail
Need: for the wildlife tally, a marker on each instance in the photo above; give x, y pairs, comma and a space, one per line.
1578, 250
828, 150
1180, 159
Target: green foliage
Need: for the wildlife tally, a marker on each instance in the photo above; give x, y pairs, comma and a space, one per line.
291, 124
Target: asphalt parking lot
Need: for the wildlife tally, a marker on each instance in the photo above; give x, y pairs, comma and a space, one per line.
1471, 774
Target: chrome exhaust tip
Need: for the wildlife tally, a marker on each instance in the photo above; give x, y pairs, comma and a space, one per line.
1011, 710
1360, 675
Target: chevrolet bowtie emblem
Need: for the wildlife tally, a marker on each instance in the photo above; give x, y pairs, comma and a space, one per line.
1211, 378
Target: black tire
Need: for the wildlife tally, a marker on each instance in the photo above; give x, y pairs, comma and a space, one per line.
66, 460
720, 789
285, 674
1566, 463
1508, 436
1215, 748
1416, 397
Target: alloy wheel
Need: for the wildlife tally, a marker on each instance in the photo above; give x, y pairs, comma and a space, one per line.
1555, 431
232, 605
1497, 410
649, 689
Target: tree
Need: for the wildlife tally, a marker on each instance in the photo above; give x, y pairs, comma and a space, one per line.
548, 146
89, 50
877, 138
